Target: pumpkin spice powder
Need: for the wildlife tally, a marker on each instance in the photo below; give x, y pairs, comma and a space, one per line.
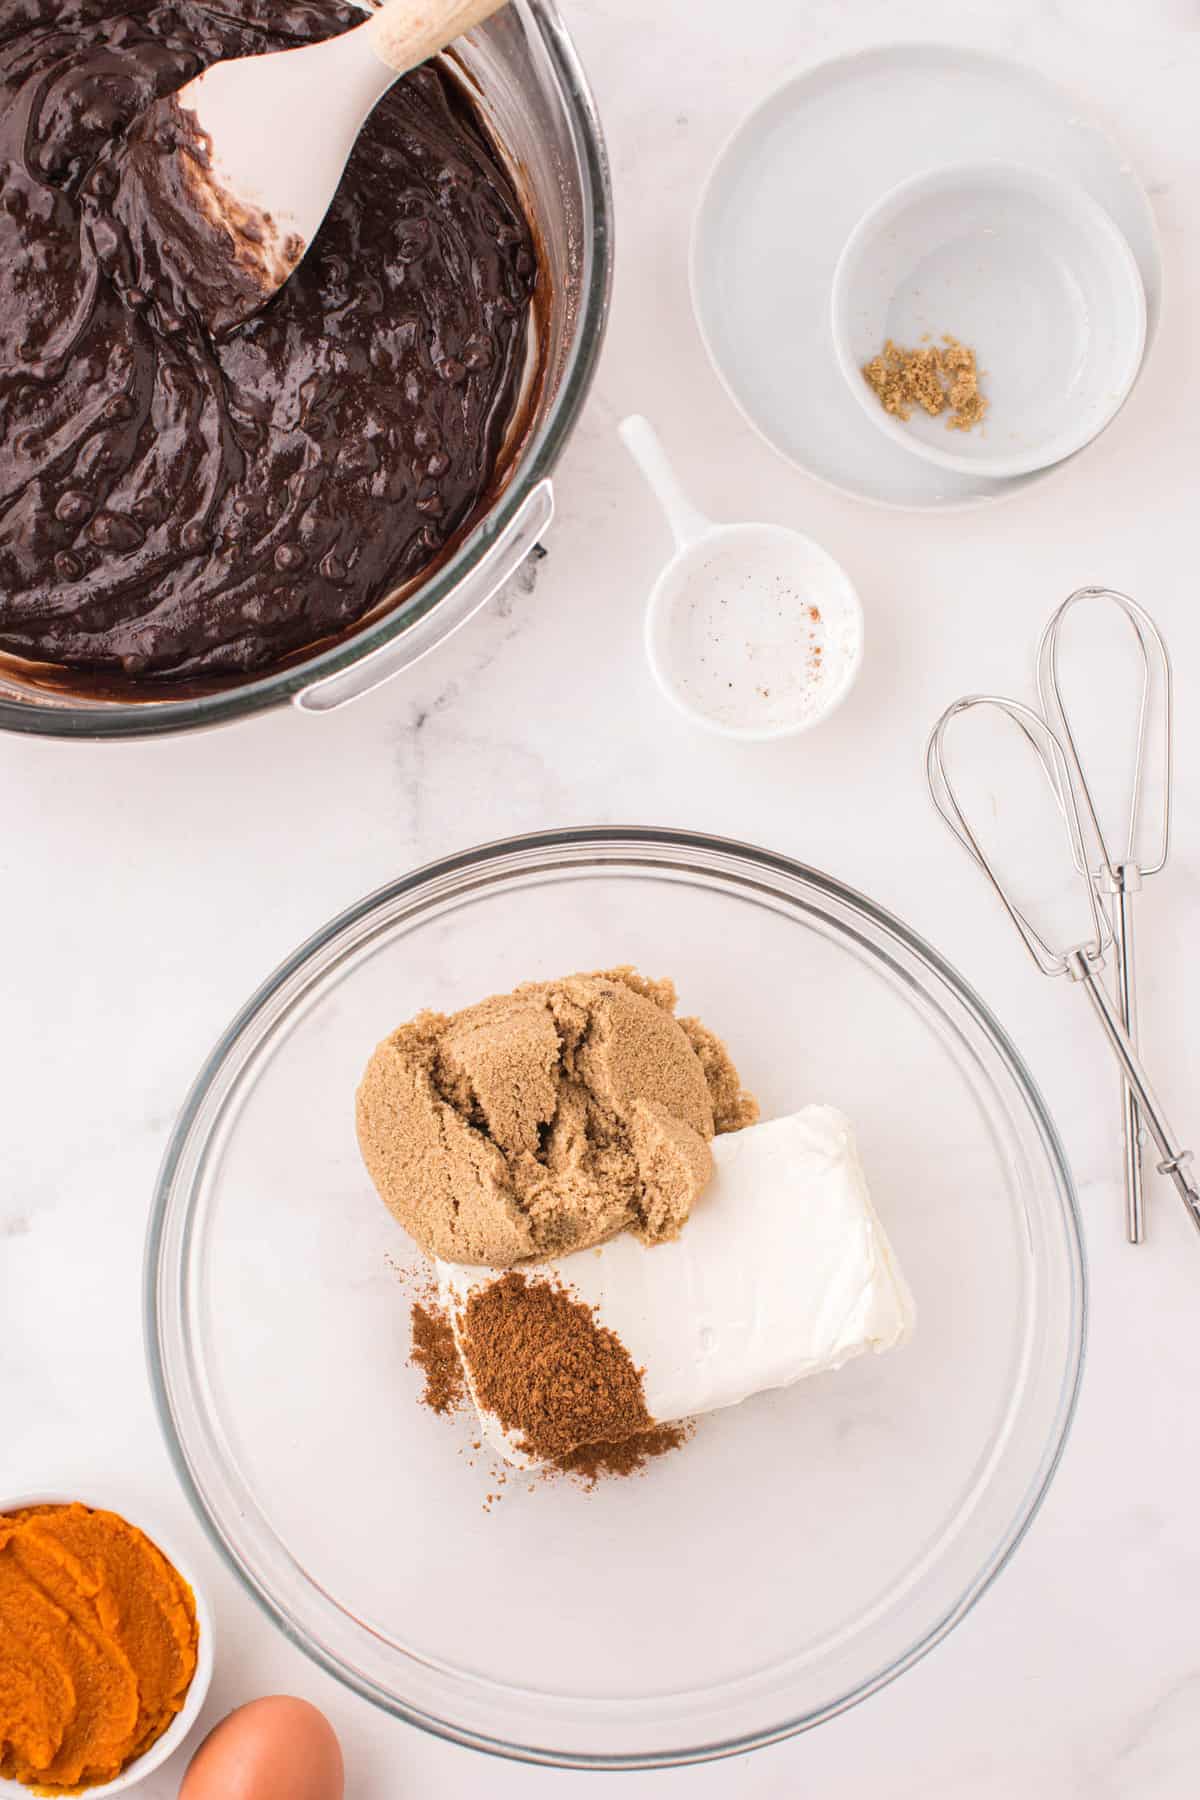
563, 1385
435, 1354
548, 1371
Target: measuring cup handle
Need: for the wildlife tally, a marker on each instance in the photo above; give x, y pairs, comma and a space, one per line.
641, 440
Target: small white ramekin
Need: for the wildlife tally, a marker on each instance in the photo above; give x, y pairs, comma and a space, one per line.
1027, 270
173, 1737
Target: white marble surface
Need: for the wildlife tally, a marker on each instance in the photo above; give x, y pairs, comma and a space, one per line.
145, 889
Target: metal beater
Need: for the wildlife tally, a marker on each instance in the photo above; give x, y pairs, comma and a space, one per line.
1119, 870
1083, 960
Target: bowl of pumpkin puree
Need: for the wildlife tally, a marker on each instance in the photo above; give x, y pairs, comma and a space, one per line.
105, 1649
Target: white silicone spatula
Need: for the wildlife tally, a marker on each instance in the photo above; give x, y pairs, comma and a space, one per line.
278, 130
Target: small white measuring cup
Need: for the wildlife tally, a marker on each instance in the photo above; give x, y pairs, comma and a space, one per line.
752, 631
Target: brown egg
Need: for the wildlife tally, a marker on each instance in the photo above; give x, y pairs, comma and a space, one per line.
273, 1749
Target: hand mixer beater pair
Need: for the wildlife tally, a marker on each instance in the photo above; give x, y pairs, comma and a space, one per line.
1112, 866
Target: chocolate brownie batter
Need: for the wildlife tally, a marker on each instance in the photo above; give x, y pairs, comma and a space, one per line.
172, 506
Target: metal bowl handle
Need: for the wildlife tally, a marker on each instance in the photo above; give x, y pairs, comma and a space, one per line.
498, 566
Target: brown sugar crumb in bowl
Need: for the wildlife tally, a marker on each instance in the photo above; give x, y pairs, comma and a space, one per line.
934, 377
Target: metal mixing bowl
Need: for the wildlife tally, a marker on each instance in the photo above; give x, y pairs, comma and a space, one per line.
526, 81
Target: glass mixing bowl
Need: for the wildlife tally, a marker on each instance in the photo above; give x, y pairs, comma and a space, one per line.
525, 78
804, 1548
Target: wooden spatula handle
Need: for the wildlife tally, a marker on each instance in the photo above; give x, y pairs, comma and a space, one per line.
404, 32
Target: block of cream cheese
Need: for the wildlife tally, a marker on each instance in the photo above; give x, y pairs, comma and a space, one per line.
783, 1270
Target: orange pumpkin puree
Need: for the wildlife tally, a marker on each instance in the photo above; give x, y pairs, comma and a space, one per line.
97, 1646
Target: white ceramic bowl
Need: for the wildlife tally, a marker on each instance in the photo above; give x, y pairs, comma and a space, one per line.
178, 1730
1026, 269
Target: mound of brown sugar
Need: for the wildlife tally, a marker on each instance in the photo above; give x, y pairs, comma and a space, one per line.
547, 1119
538, 1360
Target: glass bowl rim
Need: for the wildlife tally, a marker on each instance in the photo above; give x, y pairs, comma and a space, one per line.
614, 843
152, 718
